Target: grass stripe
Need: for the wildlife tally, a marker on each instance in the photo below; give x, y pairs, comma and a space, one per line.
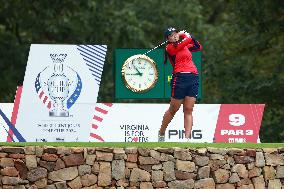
146, 144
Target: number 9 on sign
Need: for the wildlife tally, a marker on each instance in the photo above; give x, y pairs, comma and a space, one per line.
237, 119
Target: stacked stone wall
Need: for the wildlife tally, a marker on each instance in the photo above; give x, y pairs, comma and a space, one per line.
35, 167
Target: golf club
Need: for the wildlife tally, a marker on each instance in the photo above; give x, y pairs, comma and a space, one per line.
164, 43
155, 47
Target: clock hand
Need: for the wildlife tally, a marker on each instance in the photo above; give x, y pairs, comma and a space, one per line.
139, 73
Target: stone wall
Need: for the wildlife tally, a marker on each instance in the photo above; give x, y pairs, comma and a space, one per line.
210, 168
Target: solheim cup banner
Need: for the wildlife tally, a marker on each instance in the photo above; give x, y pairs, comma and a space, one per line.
60, 89
231, 123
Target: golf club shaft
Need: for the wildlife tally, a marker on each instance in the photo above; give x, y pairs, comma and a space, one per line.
164, 43
155, 48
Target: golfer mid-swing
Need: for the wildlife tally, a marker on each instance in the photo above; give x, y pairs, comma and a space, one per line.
184, 83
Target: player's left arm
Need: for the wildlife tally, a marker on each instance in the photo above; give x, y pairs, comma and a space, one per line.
196, 45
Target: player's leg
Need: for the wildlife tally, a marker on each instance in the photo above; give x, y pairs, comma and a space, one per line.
188, 118
176, 101
169, 114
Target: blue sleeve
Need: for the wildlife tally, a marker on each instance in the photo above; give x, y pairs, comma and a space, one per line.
196, 46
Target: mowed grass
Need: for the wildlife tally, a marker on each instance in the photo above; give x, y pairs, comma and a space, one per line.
145, 144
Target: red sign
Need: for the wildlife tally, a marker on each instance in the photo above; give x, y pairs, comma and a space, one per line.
238, 123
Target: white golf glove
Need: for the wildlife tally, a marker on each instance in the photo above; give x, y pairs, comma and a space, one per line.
186, 33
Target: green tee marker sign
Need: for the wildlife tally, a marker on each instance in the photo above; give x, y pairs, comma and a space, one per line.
162, 88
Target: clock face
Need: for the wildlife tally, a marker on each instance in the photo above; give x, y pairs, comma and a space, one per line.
139, 73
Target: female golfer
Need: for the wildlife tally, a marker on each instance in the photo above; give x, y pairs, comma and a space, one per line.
184, 83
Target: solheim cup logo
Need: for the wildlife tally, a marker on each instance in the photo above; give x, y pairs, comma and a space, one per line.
58, 86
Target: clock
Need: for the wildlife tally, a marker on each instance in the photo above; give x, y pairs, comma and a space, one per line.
139, 73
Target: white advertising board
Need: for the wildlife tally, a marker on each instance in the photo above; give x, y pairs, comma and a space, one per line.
6, 110
61, 85
211, 123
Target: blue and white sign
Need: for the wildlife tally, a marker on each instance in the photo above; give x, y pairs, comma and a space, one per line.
60, 89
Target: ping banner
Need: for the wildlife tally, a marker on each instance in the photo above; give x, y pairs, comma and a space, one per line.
61, 85
229, 123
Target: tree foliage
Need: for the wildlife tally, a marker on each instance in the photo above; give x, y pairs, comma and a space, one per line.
243, 43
